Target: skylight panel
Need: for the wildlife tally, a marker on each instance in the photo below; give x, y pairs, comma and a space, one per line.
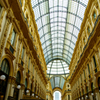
37, 12
61, 28
46, 28
55, 2
66, 71
45, 19
48, 48
53, 72
49, 52
34, 2
71, 18
75, 32
84, 1
41, 33
68, 36
42, 39
55, 14
67, 42
39, 24
55, 8
65, 3
43, 46
78, 22
48, 43
69, 28
81, 11
44, 8
58, 22
48, 71
64, 15
74, 39
73, 7
51, 15
60, 2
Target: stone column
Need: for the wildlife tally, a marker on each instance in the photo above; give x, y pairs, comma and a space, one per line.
1, 18
97, 96
21, 91
90, 96
3, 39
97, 59
10, 87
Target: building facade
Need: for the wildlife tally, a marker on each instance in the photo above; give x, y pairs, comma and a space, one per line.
22, 63
66, 92
85, 63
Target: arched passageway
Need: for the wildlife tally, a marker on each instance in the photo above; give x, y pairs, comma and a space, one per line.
56, 95
4, 74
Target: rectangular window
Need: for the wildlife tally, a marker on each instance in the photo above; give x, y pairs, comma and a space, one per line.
33, 69
78, 81
36, 75
94, 62
11, 49
13, 38
23, 52
81, 78
84, 74
20, 2
88, 69
28, 63
87, 89
80, 94
68, 97
0, 7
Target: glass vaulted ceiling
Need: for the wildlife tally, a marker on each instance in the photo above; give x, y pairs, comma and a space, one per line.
57, 82
58, 24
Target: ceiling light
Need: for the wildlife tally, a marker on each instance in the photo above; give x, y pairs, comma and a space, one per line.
18, 86
27, 91
92, 93
33, 94
2, 77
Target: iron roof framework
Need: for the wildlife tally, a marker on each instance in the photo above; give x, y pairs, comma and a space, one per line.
58, 24
57, 82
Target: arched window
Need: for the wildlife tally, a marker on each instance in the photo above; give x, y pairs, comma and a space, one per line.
5, 66
18, 77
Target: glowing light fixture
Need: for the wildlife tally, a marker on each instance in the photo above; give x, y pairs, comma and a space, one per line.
2, 77
33, 94
27, 91
18, 86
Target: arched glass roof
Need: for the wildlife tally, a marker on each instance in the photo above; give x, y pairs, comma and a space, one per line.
57, 82
57, 67
58, 24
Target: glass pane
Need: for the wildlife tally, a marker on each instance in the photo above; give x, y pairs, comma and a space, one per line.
13, 38
59, 23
